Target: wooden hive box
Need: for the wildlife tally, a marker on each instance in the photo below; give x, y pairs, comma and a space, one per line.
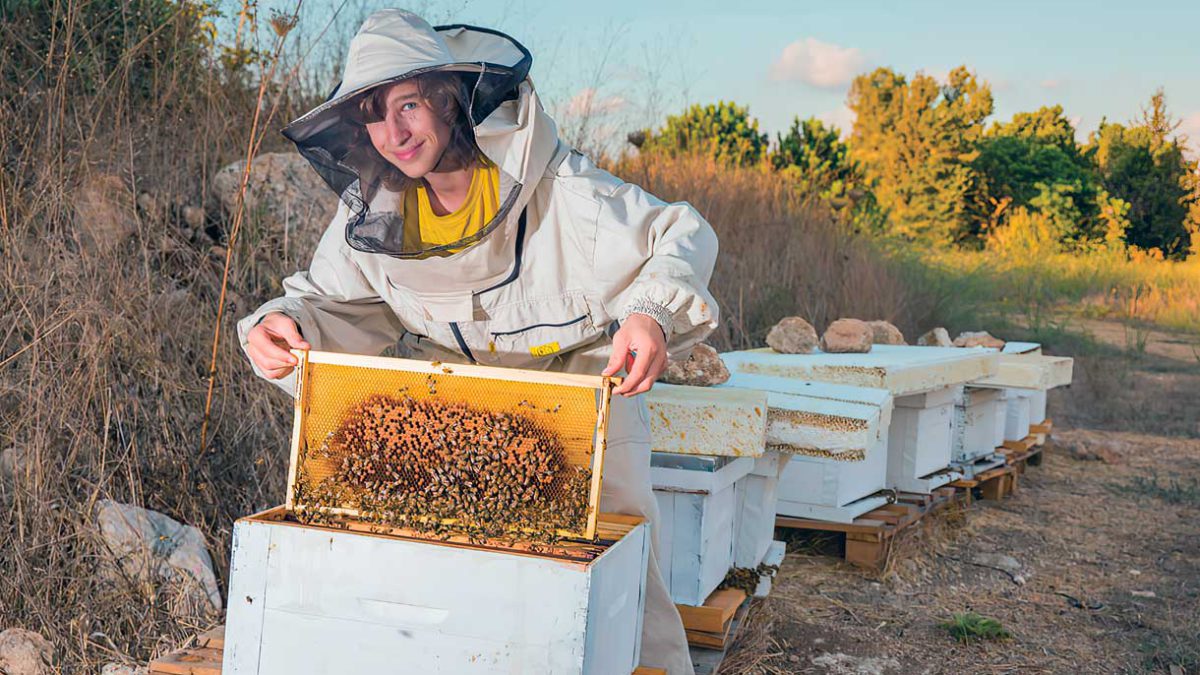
697, 504
322, 600
835, 440
978, 430
397, 442
756, 497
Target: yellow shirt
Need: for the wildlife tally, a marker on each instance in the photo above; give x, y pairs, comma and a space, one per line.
424, 229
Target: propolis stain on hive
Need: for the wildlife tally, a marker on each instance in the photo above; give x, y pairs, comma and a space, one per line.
814, 419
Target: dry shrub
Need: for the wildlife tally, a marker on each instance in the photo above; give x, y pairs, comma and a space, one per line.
782, 253
107, 303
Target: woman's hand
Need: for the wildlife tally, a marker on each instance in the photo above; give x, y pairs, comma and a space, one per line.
640, 346
267, 345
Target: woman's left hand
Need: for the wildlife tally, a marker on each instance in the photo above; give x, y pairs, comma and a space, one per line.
641, 346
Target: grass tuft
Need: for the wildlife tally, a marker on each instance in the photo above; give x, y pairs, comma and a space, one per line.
971, 627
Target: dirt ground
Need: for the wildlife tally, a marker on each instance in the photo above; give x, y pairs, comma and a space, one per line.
1106, 533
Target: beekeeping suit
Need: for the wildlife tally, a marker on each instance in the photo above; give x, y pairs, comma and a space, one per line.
544, 285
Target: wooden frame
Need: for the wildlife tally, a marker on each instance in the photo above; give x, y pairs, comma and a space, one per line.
603, 384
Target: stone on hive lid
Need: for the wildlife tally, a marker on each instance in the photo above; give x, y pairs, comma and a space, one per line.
793, 335
703, 368
938, 337
884, 333
846, 336
978, 339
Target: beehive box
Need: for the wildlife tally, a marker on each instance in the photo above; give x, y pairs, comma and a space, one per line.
697, 504
976, 435
447, 448
835, 438
920, 441
322, 600
1017, 417
754, 519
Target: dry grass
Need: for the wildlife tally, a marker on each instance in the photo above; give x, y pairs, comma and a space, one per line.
106, 316
781, 253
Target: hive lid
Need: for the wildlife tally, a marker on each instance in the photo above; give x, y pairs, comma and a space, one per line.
447, 448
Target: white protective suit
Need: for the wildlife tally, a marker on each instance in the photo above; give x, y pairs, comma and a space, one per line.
572, 252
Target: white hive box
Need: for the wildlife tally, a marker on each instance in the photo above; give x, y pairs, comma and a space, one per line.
1027, 373
978, 430
923, 380
836, 438
697, 504
1017, 417
707, 420
754, 521
322, 601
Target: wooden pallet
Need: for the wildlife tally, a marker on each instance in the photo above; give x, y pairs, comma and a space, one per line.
204, 658
1022, 453
708, 660
709, 624
994, 484
1041, 431
869, 537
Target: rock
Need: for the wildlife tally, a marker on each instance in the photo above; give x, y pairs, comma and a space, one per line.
283, 190
122, 669
702, 368
156, 552
793, 335
194, 217
24, 652
978, 339
999, 561
847, 336
938, 337
105, 212
884, 333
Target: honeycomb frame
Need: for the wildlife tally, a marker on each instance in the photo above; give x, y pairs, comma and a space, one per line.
512, 382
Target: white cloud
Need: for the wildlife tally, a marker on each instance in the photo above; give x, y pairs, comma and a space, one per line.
842, 118
586, 103
817, 63
1051, 83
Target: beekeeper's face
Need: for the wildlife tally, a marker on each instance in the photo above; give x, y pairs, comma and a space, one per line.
406, 129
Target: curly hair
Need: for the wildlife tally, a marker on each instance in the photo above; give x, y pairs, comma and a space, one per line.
448, 95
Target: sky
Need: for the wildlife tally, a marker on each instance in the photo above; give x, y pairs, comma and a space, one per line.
631, 62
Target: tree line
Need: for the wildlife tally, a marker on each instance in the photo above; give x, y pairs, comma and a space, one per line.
923, 163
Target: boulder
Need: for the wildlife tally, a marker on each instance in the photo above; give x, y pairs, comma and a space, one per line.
793, 335
283, 190
978, 339
847, 336
158, 552
702, 368
884, 333
24, 652
105, 212
938, 337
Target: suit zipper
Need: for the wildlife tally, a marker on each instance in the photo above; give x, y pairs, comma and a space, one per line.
462, 344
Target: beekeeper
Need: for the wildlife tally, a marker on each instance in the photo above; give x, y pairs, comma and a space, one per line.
471, 233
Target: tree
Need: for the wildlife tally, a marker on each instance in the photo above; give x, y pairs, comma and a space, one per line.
1143, 165
916, 141
1034, 163
815, 156
722, 130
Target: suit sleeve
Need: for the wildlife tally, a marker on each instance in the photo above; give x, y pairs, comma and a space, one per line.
661, 256
333, 304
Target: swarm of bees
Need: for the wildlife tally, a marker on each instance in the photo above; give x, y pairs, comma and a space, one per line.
448, 469
747, 578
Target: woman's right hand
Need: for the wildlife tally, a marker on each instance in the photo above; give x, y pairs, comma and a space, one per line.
268, 343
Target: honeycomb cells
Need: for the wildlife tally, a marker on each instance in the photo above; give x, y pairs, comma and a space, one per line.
446, 454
